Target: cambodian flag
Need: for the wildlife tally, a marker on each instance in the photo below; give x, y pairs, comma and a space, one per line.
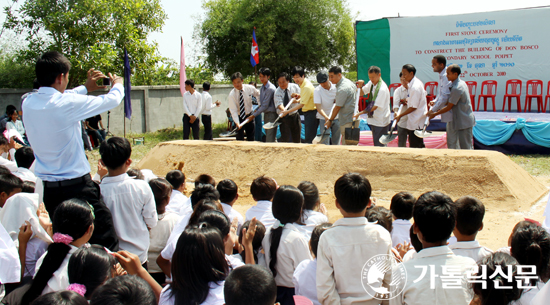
254, 52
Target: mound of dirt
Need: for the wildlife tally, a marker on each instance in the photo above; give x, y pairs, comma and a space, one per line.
503, 186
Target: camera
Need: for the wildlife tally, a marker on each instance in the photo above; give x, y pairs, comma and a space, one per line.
106, 81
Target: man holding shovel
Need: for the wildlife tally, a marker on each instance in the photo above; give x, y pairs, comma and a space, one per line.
240, 105
459, 101
416, 106
345, 102
379, 114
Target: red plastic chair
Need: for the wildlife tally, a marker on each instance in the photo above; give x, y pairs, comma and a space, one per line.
491, 92
515, 85
301, 300
534, 84
547, 97
472, 88
362, 103
392, 90
431, 90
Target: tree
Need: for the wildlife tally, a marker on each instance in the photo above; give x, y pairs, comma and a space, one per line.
92, 34
313, 34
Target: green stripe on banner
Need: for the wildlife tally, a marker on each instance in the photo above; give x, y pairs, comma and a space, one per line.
373, 48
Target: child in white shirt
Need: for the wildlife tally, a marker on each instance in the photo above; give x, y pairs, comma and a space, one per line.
434, 220
402, 210
24, 157
469, 221
229, 193
179, 203
130, 200
73, 225
284, 245
304, 278
348, 245
312, 215
262, 190
158, 236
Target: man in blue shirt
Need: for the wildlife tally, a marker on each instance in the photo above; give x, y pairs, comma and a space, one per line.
267, 105
52, 119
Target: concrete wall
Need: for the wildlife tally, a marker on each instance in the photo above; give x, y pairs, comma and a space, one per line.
153, 107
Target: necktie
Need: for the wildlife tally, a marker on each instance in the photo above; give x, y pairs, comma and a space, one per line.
286, 99
242, 112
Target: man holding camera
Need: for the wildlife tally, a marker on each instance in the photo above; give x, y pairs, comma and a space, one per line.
52, 119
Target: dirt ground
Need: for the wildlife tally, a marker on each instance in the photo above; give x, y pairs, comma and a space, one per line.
509, 193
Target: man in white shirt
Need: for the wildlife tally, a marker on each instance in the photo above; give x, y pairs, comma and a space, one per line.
206, 113
179, 203
130, 200
416, 106
240, 106
291, 125
439, 65
52, 118
429, 273
379, 94
24, 157
192, 107
324, 97
400, 96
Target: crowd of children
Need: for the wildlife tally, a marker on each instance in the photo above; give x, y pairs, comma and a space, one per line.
174, 249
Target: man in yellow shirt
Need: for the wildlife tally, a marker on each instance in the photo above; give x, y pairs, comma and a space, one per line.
306, 104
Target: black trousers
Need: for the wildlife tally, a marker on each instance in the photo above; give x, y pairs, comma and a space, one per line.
87, 190
249, 128
291, 126
187, 126
207, 123
311, 125
414, 141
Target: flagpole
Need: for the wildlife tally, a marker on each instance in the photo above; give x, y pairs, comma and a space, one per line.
124, 118
256, 73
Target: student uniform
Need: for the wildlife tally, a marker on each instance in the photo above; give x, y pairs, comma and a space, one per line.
158, 237
134, 211
179, 204
25, 174
304, 279
416, 289
343, 250
262, 212
400, 232
293, 249
170, 248
215, 295
192, 106
10, 164
231, 214
206, 115
10, 266
60, 278
471, 249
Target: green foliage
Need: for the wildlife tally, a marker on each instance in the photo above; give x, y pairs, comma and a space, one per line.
92, 34
15, 74
313, 34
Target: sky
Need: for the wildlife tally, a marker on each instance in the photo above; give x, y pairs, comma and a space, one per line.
182, 16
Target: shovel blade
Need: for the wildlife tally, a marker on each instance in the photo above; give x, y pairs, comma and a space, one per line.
422, 133
385, 139
271, 125
228, 134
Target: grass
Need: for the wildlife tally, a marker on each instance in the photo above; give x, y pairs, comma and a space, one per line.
536, 165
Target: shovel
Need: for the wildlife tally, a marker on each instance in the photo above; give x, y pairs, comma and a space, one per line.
320, 138
385, 139
233, 132
422, 133
276, 123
